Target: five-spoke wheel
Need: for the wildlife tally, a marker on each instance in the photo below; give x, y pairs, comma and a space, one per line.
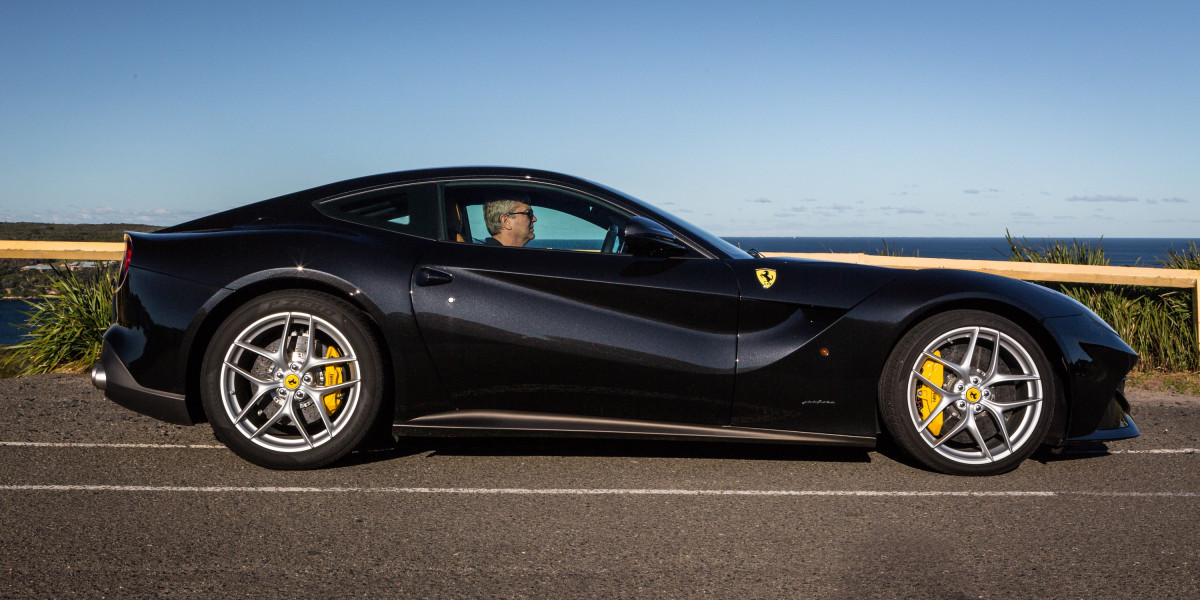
292, 380
967, 392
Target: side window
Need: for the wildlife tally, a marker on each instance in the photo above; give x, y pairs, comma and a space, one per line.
565, 220
570, 232
411, 209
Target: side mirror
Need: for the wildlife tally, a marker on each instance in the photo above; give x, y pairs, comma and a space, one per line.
644, 237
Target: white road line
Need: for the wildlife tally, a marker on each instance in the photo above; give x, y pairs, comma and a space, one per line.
1141, 494
576, 492
99, 445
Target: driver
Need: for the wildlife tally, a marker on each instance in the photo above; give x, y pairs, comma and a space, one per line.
510, 220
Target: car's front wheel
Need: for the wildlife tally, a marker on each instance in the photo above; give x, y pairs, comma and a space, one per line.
967, 392
292, 380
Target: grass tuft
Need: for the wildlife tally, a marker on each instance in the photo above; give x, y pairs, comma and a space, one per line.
66, 327
887, 250
1188, 258
1073, 252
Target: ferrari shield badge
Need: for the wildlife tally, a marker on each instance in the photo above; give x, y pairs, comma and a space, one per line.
766, 277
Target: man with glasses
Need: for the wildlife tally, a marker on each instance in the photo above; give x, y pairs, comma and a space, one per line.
510, 221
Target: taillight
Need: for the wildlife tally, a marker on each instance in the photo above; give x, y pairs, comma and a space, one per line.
125, 263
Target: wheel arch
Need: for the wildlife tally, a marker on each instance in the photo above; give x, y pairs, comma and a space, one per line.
242, 291
1033, 325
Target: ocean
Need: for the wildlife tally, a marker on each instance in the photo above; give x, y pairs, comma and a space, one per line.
1120, 251
10, 313
1125, 252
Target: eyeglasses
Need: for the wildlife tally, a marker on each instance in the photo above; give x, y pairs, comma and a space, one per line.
528, 213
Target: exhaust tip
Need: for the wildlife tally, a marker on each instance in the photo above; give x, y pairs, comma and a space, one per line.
98, 378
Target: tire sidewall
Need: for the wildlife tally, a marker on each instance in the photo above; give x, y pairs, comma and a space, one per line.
350, 322
894, 381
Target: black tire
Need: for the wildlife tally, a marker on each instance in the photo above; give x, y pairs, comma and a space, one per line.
985, 417
299, 408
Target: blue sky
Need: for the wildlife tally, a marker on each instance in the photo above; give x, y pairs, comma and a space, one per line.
754, 118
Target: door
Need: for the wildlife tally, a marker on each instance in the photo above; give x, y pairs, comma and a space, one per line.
588, 331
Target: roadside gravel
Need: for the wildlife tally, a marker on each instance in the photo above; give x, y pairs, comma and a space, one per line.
64, 407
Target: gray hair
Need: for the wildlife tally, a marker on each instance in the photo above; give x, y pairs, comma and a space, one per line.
494, 209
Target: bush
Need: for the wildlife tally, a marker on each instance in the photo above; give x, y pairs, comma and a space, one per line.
1188, 258
1074, 252
65, 327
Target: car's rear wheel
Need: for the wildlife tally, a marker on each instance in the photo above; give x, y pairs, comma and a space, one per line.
292, 380
967, 392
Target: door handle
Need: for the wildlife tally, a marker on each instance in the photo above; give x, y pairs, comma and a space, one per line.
427, 277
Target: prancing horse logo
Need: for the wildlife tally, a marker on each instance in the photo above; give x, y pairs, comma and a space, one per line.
766, 277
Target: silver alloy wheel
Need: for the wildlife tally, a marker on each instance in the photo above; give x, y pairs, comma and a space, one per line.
975, 395
274, 383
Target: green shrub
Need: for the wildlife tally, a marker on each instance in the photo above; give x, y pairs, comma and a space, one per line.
65, 329
1188, 258
1074, 252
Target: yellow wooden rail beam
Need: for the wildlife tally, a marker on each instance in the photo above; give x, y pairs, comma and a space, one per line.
1147, 276
62, 250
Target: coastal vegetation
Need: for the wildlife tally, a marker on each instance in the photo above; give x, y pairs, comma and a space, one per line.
65, 328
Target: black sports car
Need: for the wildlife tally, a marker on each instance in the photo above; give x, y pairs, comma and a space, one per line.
405, 303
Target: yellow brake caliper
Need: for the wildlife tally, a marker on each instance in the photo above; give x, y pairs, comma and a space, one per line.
927, 399
333, 376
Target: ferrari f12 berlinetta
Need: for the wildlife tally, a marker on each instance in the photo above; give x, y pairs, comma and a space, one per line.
297, 325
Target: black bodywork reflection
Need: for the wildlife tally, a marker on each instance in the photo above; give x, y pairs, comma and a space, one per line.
581, 333
785, 380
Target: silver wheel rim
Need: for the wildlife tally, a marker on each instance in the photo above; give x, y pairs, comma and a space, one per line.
280, 378
971, 403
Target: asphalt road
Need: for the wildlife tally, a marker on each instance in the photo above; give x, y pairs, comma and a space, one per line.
99, 501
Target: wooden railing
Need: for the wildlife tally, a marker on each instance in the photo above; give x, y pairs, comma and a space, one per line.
1146, 276
62, 250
